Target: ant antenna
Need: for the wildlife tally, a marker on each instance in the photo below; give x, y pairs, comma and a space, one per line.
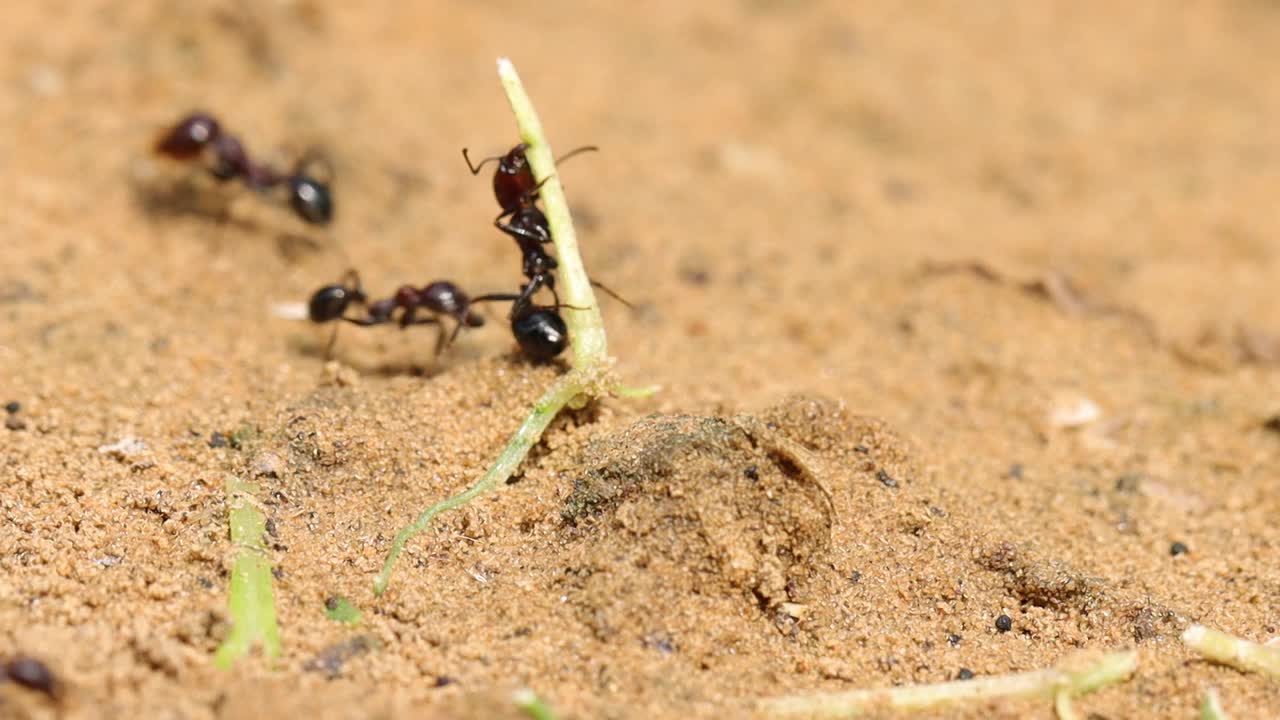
612, 294
576, 151
475, 169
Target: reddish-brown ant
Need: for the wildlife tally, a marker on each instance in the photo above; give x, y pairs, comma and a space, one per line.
310, 198
514, 186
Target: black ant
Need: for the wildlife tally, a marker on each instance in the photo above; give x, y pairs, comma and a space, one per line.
441, 298
310, 197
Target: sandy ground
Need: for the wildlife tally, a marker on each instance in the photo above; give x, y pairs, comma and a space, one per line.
959, 310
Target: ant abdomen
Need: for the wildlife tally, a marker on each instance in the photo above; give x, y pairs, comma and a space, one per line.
311, 199
540, 332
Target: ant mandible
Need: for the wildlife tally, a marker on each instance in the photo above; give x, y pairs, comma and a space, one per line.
310, 197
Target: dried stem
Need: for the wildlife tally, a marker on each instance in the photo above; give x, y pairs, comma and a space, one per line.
1060, 684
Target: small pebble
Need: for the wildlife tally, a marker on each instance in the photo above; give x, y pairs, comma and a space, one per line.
752, 472
1178, 548
1004, 623
218, 440
886, 479
31, 674
954, 639
12, 406
964, 674
268, 465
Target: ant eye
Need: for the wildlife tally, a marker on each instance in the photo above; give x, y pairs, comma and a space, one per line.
328, 303
311, 200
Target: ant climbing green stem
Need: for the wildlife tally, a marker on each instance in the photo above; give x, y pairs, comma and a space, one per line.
591, 374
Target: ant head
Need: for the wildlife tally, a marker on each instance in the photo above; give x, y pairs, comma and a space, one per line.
515, 161
190, 136
541, 333
331, 301
311, 199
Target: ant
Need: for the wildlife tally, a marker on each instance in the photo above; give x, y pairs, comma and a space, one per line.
310, 197
441, 297
514, 186
516, 191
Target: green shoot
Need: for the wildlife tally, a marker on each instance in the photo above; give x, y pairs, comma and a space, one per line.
1059, 684
251, 604
590, 376
532, 705
1211, 706
1236, 652
342, 610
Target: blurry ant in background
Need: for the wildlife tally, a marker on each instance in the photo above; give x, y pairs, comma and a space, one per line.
199, 134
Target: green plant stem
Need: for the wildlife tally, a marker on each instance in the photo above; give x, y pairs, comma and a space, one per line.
251, 603
544, 411
532, 705
1230, 650
1056, 683
586, 327
1211, 706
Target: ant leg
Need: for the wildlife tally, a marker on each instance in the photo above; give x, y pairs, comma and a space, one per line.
611, 293
496, 297
475, 169
518, 232
407, 318
328, 348
441, 342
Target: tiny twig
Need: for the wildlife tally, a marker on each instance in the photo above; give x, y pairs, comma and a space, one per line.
1060, 684
251, 602
1231, 650
590, 376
